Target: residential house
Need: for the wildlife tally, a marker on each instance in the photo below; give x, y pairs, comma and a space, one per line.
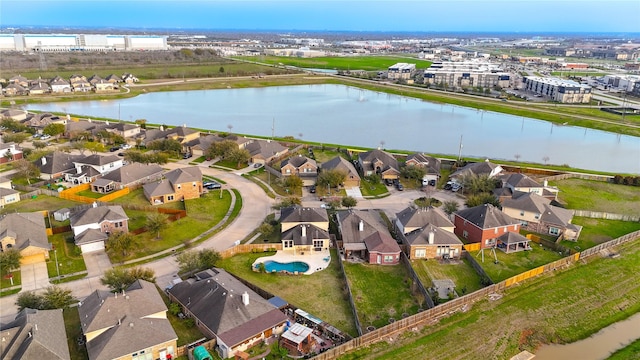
197, 147
536, 214
127, 131
379, 162
432, 242
305, 238
130, 175
27, 233
114, 79
513, 183
484, 224
35, 335
182, 134
179, 184
55, 165
91, 167
364, 234
430, 164
129, 78
480, 168
14, 114
302, 166
265, 151
228, 311
60, 85
84, 129
10, 152
15, 90
39, 88
131, 325
7, 194
19, 80
341, 164
296, 215
103, 85
77, 78
411, 219
94, 79
91, 227
41, 120
79, 83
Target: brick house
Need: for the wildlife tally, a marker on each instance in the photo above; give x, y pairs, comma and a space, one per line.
427, 233
91, 227
430, 164
179, 184
10, 152
341, 164
302, 166
363, 234
379, 162
25, 232
484, 224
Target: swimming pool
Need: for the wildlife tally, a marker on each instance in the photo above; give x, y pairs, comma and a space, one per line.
291, 267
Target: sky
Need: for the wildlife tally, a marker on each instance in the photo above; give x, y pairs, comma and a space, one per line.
540, 16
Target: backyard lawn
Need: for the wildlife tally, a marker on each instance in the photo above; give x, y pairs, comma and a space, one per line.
186, 334
323, 156
599, 196
460, 272
90, 194
276, 184
70, 258
514, 263
559, 307
74, 331
137, 198
597, 231
380, 293
41, 202
321, 294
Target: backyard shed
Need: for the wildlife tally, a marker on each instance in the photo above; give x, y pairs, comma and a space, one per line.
62, 214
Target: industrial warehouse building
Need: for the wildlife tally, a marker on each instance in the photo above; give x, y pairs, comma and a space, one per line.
81, 42
466, 74
564, 91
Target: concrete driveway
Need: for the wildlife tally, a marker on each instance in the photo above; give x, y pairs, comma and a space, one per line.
34, 276
97, 262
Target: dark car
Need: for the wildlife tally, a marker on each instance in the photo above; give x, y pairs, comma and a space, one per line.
257, 165
388, 182
432, 182
186, 155
447, 186
114, 149
312, 189
400, 187
212, 185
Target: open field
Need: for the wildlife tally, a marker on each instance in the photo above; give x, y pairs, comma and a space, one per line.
70, 258
323, 293
599, 196
559, 307
380, 293
597, 231
515, 263
369, 63
461, 273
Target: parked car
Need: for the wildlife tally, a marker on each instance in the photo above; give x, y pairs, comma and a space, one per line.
114, 149
186, 155
448, 185
388, 182
125, 146
120, 154
257, 165
312, 189
455, 187
432, 182
212, 185
399, 187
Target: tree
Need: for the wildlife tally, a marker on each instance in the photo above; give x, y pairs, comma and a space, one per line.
450, 206
54, 129
221, 149
56, 297
26, 170
39, 144
192, 261
545, 159
332, 178
29, 299
265, 229
9, 261
168, 145
413, 172
79, 145
239, 156
17, 138
287, 201
118, 279
349, 202
120, 243
293, 182
475, 184
221, 70
142, 123
482, 198
95, 147
156, 222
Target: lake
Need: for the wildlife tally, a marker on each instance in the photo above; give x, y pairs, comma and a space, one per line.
346, 115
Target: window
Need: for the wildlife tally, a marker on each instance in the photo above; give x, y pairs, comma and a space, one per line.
524, 223
554, 231
522, 213
318, 244
421, 253
194, 184
287, 244
112, 165
537, 216
170, 198
388, 258
288, 171
465, 234
442, 250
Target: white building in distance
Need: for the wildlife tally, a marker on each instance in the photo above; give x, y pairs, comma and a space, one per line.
466, 74
402, 71
564, 91
81, 42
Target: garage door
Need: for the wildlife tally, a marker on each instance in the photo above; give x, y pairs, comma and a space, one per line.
32, 259
96, 246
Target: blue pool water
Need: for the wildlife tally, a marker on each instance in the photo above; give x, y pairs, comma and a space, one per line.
298, 266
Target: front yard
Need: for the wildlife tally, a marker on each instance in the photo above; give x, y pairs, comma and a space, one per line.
70, 258
276, 184
515, 263
599, 196
460, 272
370, 189
380, 293
321, 293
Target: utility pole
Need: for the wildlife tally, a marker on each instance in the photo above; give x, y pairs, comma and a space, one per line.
273, 128
55, 253
460, 149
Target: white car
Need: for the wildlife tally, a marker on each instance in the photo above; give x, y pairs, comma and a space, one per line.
125, 146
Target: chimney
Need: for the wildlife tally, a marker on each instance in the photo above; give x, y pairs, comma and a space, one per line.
361, 226
304, 231
431, 236
245, 299
44, 161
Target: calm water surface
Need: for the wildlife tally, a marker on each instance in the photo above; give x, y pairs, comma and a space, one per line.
345, 115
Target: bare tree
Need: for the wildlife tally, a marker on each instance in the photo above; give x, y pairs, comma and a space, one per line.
517, 156
229, 127
545, 159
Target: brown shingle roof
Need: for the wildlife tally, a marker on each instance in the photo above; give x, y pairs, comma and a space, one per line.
98, 215
341, 164
440, 237
381, 243
412, 217
486, 216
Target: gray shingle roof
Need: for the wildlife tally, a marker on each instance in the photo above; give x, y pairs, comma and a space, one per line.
98, 215
184, 175
133, 172
412, 217
57, 162
90, 236
349, 221
440, 237
381, 242
98, 160
486, 216
312, 233
299, 214
28, 229
520, 180
342, 164
367, 159
127, 320
265, 148
216, 301
479, 168
158, 189
297, 161
35, 335
534, 203
512, 238
431, 164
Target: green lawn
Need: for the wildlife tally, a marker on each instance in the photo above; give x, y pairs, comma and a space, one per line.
559, 307
137, 198
323, 156
631, 351
200, 160
515, 263
41, 202
369, 189
202, 214
599, 196
370, 63
74, 331
137, 218
276, 184
186, 334
90, 194
321, 294
461, 272
380, 293
70, 258
230, 164
17, 280
597, 231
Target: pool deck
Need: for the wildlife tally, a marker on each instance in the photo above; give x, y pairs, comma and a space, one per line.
317, 260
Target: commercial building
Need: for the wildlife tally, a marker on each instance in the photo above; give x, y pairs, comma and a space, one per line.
564, 91
401, 71
466, 74
81, 42
621, 82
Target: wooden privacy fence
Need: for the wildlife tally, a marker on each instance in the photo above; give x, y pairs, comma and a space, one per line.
247, 248
604, 178
351, 302
462, 303
606, 215
72, 194
416, 280
472, 247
